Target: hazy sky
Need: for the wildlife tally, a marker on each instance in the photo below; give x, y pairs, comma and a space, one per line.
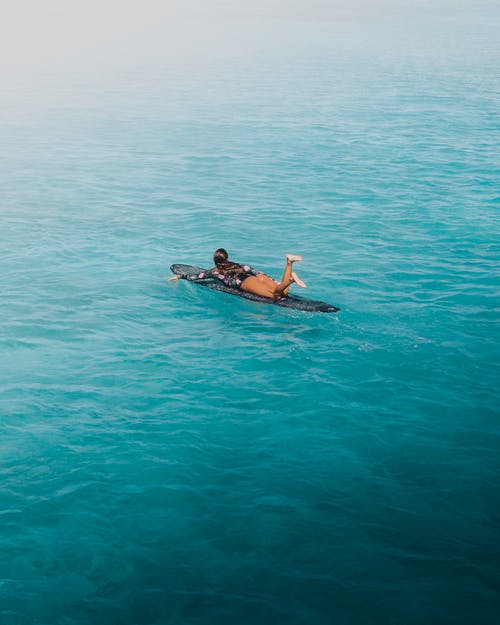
40, 34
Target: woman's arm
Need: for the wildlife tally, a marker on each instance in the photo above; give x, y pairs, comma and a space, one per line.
193, 277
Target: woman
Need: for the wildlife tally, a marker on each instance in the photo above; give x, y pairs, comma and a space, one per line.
248, 279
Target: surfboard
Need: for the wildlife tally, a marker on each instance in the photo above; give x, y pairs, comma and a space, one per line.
191, 273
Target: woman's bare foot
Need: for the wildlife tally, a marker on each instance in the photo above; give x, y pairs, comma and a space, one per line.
293, 257
298, 281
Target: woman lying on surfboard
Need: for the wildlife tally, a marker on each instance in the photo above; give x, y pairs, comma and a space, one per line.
248, 279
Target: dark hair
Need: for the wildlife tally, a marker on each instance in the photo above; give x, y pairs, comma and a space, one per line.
221, 257
224, 265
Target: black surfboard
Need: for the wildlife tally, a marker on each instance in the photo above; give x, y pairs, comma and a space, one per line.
191, 273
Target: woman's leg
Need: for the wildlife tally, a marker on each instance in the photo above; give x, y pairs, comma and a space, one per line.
288, 278
267, 287
281, 289
264, 285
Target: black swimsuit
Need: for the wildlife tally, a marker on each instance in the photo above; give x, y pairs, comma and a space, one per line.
234, 276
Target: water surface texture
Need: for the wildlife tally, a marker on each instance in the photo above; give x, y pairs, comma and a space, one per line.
172, 455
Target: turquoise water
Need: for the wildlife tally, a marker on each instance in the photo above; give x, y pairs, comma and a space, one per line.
173, 455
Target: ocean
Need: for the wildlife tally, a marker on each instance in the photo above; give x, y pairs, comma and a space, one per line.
173, 455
